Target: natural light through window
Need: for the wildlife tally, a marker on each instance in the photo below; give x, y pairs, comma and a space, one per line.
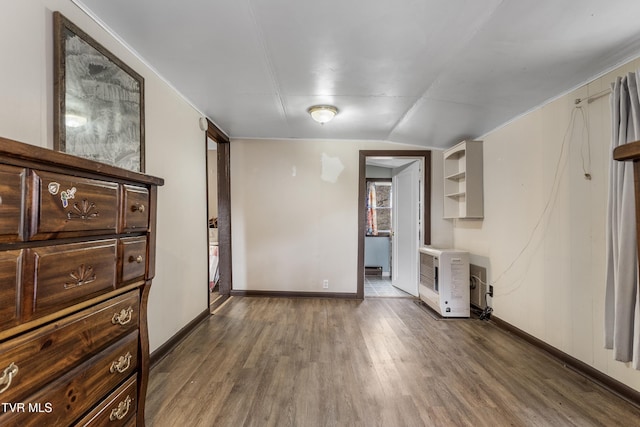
378, 207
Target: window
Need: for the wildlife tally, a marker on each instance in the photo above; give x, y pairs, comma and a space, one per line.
378, 207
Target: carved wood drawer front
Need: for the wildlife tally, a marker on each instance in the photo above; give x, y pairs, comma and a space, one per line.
116, 410
135, 202
62, 275
12, 182
68, 204
80, 389
10, 269
56, 348
134, 257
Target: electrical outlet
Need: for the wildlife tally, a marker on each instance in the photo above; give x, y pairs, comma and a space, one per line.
491, 291
325, 284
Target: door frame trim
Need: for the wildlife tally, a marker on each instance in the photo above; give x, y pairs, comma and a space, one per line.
225, 283
362, 194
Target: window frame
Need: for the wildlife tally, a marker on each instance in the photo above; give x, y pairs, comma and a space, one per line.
386, 233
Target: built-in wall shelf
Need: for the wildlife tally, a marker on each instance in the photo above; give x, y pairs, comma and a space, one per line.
457, 176
463, 182
457, 195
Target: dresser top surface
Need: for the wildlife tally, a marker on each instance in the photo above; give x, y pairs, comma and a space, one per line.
44, 156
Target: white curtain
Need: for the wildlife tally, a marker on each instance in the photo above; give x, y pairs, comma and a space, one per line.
622, 299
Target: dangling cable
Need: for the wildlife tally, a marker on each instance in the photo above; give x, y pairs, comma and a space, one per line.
586, 165
552, 195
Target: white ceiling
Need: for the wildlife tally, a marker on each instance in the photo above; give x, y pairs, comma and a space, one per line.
426, 72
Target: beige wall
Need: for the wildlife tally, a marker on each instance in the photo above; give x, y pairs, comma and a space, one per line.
293, 227
545, 239
174, 150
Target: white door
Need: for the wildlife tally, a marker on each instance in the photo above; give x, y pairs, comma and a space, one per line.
406, 227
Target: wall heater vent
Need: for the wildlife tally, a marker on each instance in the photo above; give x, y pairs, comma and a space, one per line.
444, 281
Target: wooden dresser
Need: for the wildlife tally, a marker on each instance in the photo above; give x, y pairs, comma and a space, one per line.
77, 255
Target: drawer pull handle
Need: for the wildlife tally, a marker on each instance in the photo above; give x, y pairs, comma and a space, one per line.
7, 375
137, 259
138, 207
122, 364
121, 411
123, 317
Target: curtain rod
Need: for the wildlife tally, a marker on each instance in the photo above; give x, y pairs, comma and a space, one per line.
592, 98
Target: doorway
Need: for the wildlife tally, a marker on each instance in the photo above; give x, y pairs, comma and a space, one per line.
212, 209
219, 281
378, 240
410, 175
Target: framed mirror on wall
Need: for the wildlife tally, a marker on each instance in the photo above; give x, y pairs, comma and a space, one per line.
98, 100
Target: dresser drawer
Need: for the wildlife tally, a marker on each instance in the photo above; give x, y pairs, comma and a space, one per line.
135, 202
134, 257
62, 275
12, 190
116, 410
70, 396
10, 272
67, 205
54, 349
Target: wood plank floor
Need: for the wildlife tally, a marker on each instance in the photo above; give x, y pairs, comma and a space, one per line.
377, 362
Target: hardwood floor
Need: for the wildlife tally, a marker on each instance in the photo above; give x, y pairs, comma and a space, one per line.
376, 362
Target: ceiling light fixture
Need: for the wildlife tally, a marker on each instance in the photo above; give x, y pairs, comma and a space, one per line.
322, 113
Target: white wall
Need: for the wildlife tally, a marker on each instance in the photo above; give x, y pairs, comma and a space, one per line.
544, 236
174, 150
292, 228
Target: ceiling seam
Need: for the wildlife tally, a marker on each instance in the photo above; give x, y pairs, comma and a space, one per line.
478, 28
267, 59
80, 5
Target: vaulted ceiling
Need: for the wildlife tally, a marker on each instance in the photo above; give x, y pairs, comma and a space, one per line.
426, 72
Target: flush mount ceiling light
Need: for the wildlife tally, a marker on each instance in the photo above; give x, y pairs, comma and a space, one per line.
322, 113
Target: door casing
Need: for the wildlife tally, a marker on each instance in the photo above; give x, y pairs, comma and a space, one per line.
362, 194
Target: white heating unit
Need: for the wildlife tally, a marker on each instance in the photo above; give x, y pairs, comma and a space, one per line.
444, 281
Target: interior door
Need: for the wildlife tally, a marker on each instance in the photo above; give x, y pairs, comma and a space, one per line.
406, 227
